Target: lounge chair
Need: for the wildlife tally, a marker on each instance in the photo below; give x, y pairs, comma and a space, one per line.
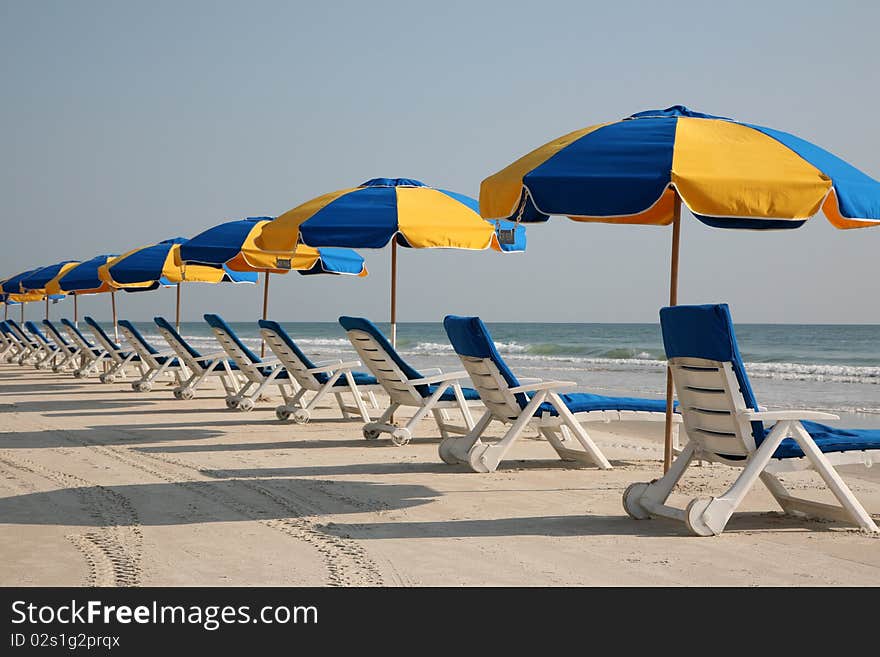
534, 404
12, 344
119, 358
258, 373
201, 366
321, 378
92, 356
69, 351
433, 393
725, 425
157, 363
48, 353
29, 347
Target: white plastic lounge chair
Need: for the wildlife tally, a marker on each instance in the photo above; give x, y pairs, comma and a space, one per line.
321, 378
29, 348
435, 393
537, 404
48, 354
258, 373
725, 424
6, 343
70, 352
92, 356
156, 363
201, 366
121, 359
13, 346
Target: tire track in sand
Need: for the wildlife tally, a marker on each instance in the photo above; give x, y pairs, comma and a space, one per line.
112, 550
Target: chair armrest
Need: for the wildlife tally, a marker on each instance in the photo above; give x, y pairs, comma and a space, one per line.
325, 363
754, 416
439, 378
529, 379
544, 385
432, 371
337, 365
212, 356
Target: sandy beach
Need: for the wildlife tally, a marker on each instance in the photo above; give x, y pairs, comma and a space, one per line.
100, 485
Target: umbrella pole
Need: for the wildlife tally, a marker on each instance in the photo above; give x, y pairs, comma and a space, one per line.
47, 306
115, 325
265, 311
394, 293
673, 300
22, 312
177, 313
76, 311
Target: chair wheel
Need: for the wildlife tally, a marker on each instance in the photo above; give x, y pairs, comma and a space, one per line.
104, 379
475, 458
136, 386
282, 413
231, 402
176, 393
246, 405
146, 386
446, 454
401, 436
693, 516
631, 497
371, 434
301, 416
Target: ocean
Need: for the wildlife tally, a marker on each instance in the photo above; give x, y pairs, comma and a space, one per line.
833, 368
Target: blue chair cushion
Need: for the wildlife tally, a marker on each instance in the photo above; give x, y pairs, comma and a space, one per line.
360, 378
580, 402
164, 359
829, 440
449, 393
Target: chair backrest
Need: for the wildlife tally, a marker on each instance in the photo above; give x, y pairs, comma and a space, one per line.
19, 333
37, 333
291, 356
376, 353
134, 337
76, 335
489, 373
247, 360
102, 337
181, 347
56, 334
710, 378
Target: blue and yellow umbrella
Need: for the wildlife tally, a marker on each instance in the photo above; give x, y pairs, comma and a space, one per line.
639, 170
35, 283
225, 245
12, 291
158, 265
382, 210
82, 279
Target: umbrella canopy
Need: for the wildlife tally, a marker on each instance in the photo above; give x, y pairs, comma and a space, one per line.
36, 283
225, 244
729, 174
158, 264
382, 210
155, 265
228, 244
81, 279
639, 170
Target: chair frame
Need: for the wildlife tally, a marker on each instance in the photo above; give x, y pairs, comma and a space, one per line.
305, 376
91, 356
403, 392
154, 368
47, 354
71, 351
120, 359
201, 368
717, 421
253, 381
29, 348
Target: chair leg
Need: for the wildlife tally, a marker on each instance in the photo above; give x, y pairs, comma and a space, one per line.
358, 398
402, 435
579, 432
833, 480
372, 430
485, 458
454, 449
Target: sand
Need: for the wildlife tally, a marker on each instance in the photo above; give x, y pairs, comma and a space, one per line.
100, 485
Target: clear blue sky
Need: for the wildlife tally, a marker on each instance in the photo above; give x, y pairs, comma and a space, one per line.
124, 123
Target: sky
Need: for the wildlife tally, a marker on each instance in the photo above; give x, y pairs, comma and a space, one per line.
125, 123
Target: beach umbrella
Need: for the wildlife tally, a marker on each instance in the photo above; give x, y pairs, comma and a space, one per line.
36, 283
225, 245
159, 265
641, 169
13, 292
401, 211
83, 279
